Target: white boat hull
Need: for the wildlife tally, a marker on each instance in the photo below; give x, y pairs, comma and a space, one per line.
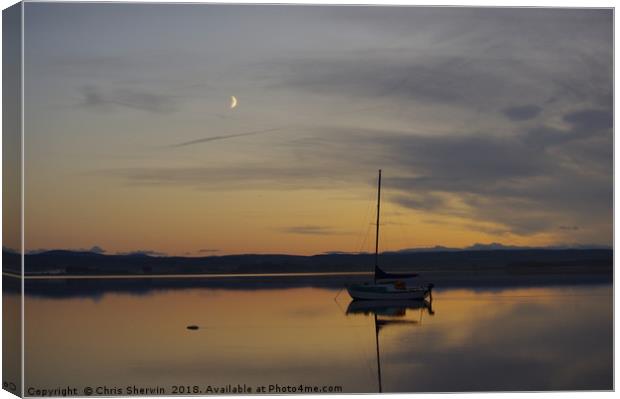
384, 292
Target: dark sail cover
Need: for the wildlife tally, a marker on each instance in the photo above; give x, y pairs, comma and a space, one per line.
381, 275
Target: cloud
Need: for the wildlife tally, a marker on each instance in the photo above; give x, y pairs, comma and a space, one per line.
524, 183
265, 175
569, 228
227, 137
97, 249
421, 201
482, 66
95, 97
430, 79
464, 72
522, 113
594, 119
312, 230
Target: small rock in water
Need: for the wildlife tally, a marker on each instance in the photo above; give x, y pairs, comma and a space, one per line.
192, 327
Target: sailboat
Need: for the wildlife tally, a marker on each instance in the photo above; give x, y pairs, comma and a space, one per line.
388, 286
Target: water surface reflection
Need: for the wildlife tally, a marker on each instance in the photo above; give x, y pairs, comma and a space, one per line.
511, 339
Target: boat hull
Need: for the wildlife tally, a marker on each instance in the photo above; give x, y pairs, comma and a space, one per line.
367, 292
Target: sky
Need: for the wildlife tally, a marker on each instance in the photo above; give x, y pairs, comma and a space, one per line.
490, 125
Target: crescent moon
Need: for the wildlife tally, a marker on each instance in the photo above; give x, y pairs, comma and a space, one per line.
233, 102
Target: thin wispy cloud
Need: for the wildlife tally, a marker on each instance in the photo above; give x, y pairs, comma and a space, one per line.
312, 230
569, 228
274, 176
95, 97
226, 137
522, 112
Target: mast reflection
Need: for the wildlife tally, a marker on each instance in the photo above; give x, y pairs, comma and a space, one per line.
393, 313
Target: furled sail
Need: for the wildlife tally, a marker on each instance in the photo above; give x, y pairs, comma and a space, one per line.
382, 275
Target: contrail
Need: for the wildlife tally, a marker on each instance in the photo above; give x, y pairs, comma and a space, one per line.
254, 132
230, 136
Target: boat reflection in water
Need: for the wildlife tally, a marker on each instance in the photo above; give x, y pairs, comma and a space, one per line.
392, 313
395, 308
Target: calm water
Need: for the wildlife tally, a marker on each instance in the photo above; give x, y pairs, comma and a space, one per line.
540, 338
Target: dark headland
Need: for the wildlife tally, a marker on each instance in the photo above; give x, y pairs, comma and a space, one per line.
449, 266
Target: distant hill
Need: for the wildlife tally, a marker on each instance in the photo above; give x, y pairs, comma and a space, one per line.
478, 258
495, 246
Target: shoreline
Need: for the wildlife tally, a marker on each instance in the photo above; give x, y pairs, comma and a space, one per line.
95, 287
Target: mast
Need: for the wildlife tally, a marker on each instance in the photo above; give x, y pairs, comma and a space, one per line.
377, 232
